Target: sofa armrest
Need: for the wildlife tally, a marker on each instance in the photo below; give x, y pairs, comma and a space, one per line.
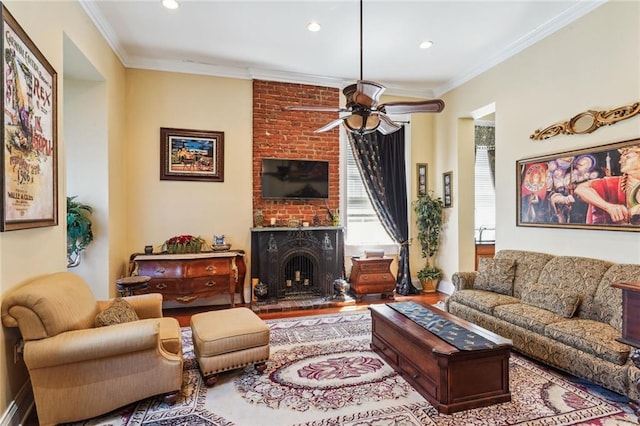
93, 343
463, 280
146, 305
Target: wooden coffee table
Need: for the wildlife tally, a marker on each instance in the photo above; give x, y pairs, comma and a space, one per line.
449, 378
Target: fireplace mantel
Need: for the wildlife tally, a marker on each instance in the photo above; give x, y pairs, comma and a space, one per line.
275, 252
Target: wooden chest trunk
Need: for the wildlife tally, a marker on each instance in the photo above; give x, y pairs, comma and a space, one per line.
450, 379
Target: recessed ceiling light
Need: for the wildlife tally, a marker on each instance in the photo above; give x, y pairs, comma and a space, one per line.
170, 4
313, 26
426, 44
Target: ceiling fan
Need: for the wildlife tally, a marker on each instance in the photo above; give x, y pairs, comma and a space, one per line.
363, 114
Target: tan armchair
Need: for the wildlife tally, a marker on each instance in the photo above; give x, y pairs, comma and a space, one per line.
79, 371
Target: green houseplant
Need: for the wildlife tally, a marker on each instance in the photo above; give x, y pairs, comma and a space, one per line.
79, 232
429, 220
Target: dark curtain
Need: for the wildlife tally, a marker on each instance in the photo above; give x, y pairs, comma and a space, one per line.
380, 159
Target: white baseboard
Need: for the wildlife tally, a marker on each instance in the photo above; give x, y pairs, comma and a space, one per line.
24, 399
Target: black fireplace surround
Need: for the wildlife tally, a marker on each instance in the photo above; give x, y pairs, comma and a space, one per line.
297, 263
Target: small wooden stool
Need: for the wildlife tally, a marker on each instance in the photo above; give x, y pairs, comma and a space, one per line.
127, 286
228, 339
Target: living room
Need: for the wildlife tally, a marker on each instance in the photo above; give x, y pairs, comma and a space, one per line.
591, 64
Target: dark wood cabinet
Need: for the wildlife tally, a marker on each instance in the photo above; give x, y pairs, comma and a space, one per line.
484, 250
192, 278
631, 326
371, 276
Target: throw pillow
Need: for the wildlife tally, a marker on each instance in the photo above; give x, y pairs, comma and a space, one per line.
117, 312
495, 275
558, 301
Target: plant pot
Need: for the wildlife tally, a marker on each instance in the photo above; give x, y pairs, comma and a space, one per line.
429, 285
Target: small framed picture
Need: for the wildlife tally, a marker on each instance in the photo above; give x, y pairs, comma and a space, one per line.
196, 155
447, 189
421, 178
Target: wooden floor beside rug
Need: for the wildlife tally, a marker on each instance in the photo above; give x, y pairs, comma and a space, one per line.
183, 315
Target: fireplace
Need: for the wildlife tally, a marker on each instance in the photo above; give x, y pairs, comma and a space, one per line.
297, 263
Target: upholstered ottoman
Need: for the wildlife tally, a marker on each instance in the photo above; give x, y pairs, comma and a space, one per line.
228, 339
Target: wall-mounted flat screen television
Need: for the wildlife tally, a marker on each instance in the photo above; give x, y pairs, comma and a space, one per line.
295, 179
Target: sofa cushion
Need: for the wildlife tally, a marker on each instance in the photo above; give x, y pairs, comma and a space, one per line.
481, 300
495, 275
118, 312
606, 304
529, 264
590, 336
579, 275
559, 301
526, 316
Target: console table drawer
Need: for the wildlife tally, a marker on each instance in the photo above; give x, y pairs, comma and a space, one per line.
376, 266
203, 268
161, 269
376, 278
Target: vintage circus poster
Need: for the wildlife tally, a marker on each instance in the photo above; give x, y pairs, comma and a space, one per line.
29, 143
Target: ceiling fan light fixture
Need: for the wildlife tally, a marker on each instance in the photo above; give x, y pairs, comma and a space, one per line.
314, 27
170, 4
426, 44
362, 123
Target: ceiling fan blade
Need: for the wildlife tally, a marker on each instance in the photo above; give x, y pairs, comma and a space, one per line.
387, 126
368, 93
313, 108
331, 125
435, 105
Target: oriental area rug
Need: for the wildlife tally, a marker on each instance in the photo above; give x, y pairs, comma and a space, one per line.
322, 372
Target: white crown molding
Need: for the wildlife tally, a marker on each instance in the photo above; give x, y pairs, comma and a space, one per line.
579, 9
105, 29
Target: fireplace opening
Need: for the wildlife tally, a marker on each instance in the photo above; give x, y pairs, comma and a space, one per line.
297, 263
299, 277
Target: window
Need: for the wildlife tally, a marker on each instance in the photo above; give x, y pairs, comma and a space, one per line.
363, 228
362, 223
485, 197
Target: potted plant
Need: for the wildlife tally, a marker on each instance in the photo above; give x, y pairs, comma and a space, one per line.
429, 219
79, 233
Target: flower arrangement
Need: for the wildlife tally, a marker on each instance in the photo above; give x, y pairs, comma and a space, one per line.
184, 244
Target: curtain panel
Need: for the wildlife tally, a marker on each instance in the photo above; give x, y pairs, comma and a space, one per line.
381, 162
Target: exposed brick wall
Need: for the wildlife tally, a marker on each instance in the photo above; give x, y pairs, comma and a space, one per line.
290, 134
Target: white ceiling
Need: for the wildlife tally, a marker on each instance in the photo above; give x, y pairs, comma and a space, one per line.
268, 40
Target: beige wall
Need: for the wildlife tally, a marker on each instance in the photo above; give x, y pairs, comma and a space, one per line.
159, 209
593, 63
33, 252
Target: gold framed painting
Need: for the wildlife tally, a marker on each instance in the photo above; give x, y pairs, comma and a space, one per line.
29, 153
591, 188
191, 155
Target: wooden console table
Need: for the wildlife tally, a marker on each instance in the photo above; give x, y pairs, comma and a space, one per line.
449, 378
187, 279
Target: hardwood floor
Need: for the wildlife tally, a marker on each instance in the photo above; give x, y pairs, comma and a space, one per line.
183, 315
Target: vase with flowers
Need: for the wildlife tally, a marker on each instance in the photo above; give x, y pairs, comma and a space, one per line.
184, 244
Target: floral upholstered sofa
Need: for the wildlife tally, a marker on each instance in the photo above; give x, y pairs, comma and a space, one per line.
560, 310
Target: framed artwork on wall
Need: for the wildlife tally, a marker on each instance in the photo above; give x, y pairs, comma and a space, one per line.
592, 188
447, 189
192, 155
422, 178
29, 152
